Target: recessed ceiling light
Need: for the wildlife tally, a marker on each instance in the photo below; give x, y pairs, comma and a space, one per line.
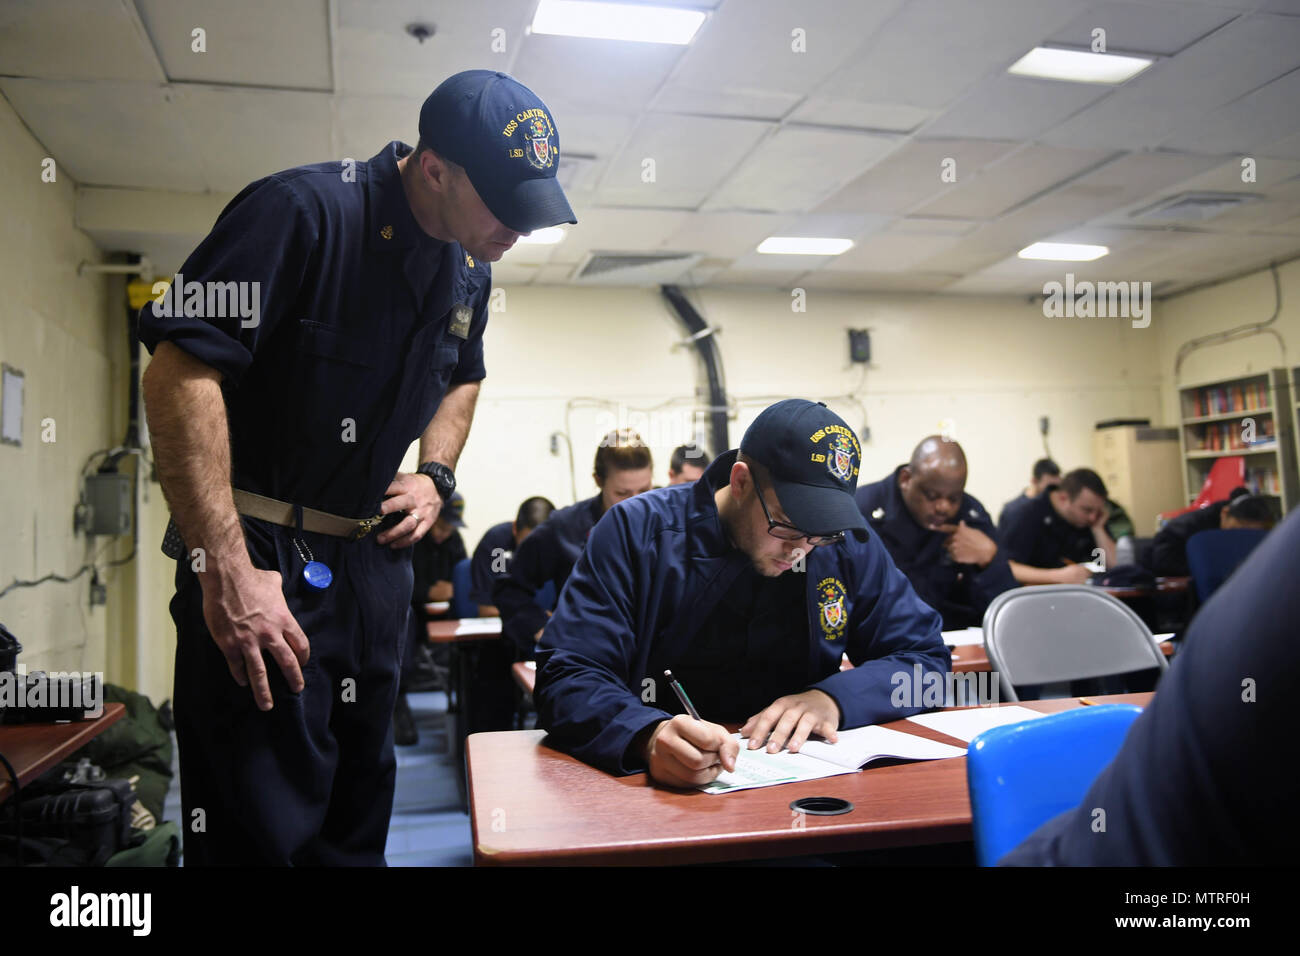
542, 237
1064, 251
1078, 66
616, 21
804, 246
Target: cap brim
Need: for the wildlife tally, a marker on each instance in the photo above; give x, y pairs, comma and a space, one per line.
534, 204
820, 510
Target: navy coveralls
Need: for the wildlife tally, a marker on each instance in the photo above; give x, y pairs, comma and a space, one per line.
498, 542
1036, 535
657, 566
959, 592
547, 555
352, 355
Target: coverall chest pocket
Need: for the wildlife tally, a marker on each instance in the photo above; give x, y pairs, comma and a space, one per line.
334, 383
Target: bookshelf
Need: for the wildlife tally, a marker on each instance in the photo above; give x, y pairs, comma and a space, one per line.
1255, 416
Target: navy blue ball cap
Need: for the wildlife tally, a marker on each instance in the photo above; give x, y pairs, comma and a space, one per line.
813, 459
505, 137
454, 510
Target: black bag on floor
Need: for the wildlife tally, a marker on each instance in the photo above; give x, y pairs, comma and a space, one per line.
96, 818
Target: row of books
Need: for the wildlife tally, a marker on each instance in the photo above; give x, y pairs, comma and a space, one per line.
1222, 399
1262, 481
1234, 436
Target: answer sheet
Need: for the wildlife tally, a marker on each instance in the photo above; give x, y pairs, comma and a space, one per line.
758, 768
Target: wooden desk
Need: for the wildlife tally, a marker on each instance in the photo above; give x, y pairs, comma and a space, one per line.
1163, 586
533, 805
967, 658
525, 675
35, 748
445, 632
463, 658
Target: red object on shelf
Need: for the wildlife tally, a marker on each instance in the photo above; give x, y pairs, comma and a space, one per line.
1226, 474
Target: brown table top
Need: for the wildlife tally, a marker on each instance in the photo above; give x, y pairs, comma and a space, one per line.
967, 658
525, 675
35, 748
444, 632
531, 804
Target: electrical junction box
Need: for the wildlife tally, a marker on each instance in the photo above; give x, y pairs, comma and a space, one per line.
109, 495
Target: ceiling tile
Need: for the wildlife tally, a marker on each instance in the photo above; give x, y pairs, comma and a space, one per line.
778, 176
991, 190
691, 155
911, 175
377, 57
1174, 93
248, 42
75, 40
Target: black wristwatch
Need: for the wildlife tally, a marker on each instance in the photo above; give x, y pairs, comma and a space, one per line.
443, 478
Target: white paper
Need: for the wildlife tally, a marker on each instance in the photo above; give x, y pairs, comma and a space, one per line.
758, 768
967, 635
479, 625
863, 744
968, 724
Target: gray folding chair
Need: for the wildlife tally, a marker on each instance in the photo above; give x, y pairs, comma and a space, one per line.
1062, 632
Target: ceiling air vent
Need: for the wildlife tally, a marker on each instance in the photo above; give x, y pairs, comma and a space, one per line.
1193, 207
634, 268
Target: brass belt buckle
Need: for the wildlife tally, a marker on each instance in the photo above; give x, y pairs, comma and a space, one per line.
365, 526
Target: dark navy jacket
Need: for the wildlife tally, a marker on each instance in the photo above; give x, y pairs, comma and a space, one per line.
356, 303
1169, 548
1036, 535
654, 568
959, 592
548, 554
497, 542
1201, 778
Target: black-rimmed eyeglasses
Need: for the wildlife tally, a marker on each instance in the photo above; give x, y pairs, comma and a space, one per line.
788, 532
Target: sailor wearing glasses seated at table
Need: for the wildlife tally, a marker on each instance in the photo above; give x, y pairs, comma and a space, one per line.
749, 585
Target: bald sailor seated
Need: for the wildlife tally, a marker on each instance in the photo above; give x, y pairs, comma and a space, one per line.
939, 536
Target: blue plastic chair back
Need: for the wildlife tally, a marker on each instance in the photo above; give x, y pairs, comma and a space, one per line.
1213, 555
461, 605
545, 597
1022, 775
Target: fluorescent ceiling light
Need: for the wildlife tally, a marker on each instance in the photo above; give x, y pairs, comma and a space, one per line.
542, 237
1064, 251
804, 246
616, 21
1078, 66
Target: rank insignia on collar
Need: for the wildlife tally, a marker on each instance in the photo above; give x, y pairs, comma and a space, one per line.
878, 514
460, 319
386, 232
469, 260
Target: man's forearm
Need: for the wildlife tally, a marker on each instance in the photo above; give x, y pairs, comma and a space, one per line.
191, 448
1028, 574
444, 438
1104, 541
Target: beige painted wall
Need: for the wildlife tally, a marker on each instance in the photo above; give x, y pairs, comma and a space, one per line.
988, 367
67, 334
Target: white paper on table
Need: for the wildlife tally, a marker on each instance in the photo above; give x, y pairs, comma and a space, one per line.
968, 724
863, 744
479, 625
758, 768
967, 635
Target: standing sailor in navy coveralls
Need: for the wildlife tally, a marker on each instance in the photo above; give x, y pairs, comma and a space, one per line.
939, 536
748, 587
278, 436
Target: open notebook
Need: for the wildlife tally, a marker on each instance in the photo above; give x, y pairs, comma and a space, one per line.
816, 759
